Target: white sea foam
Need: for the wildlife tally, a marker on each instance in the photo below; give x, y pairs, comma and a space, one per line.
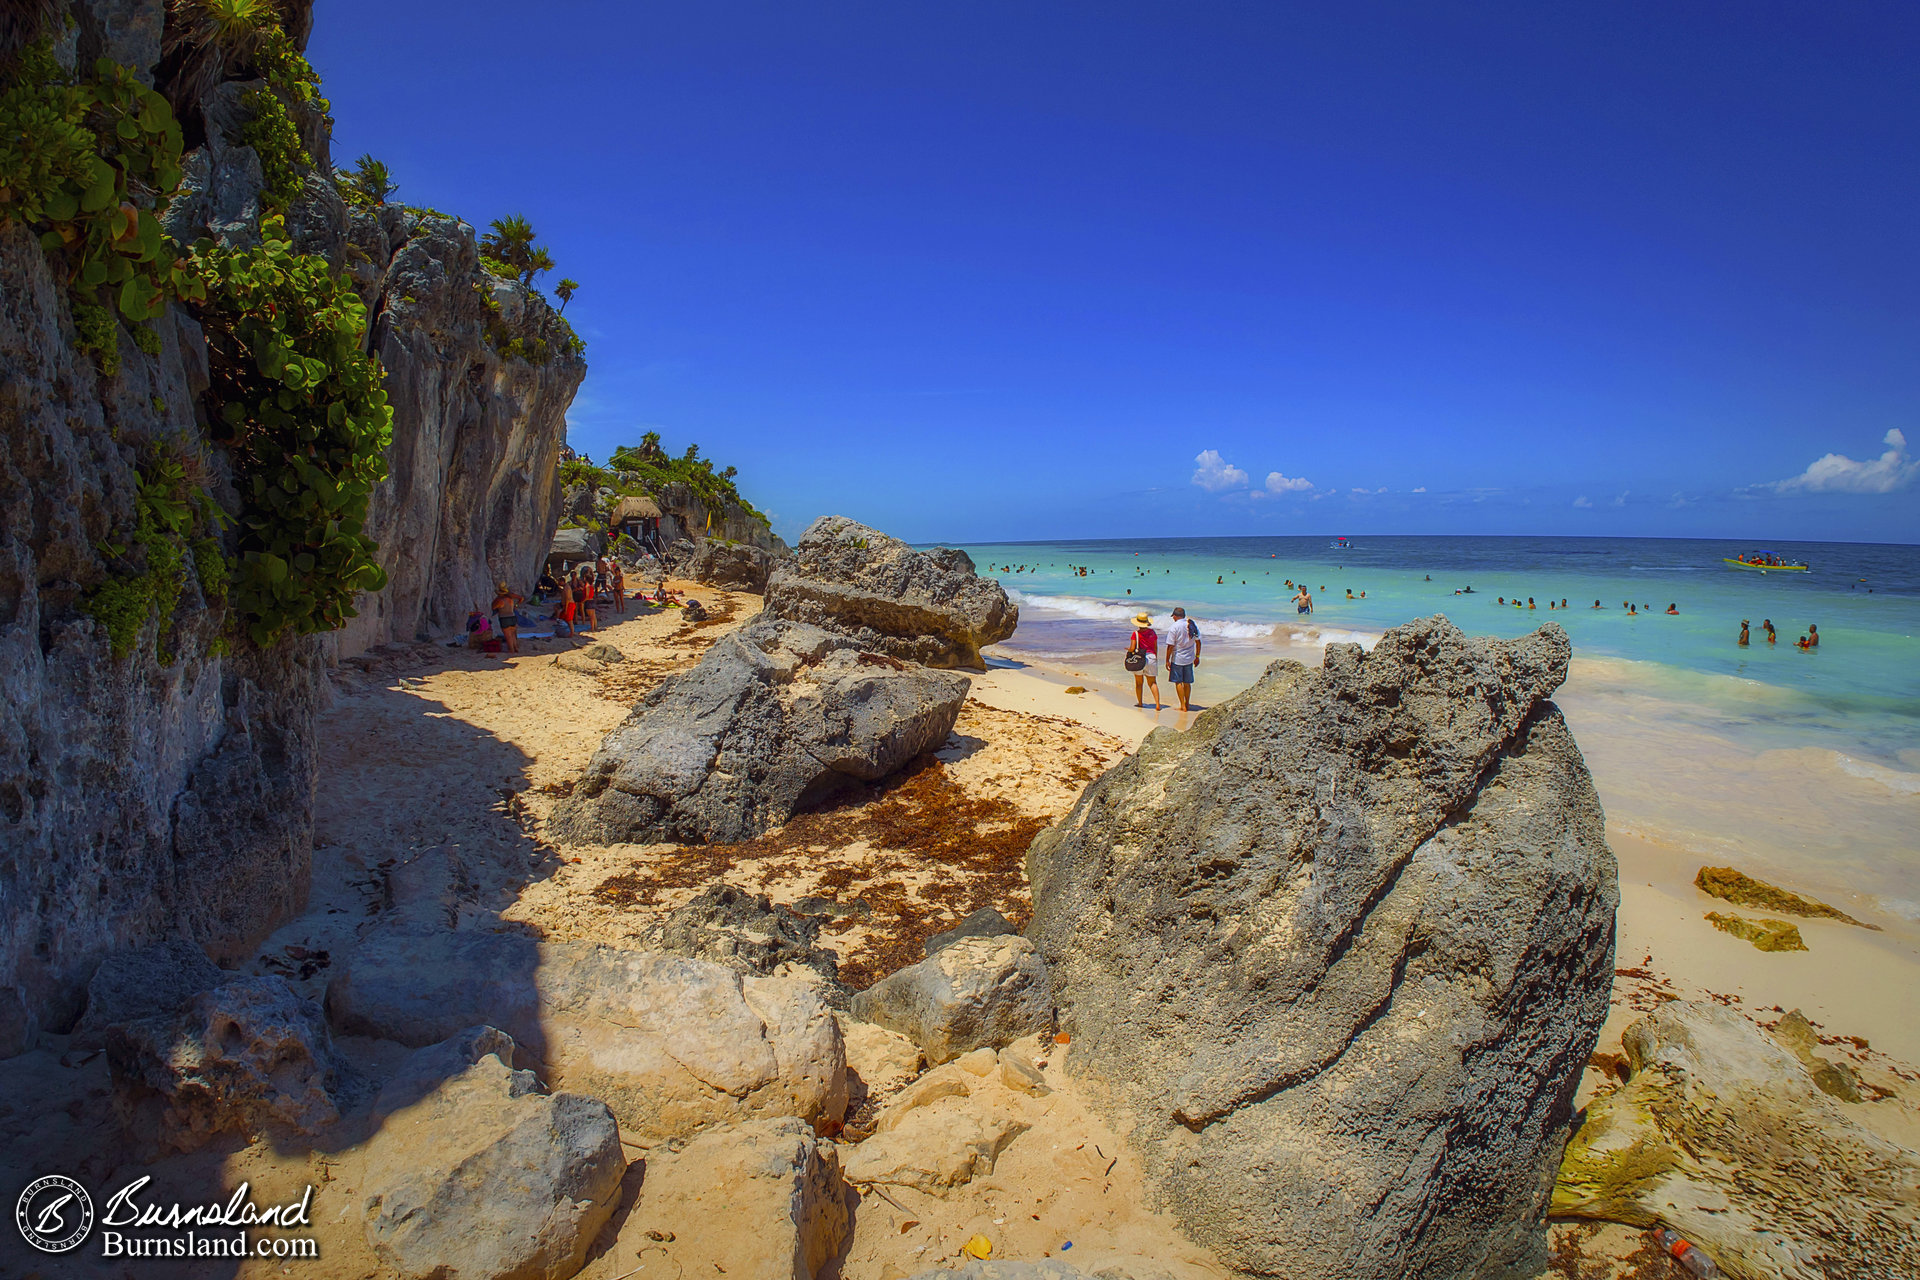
1900, 908
1041, 607
1894, 780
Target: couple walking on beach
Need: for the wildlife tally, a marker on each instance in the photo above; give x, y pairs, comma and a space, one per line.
1182, 647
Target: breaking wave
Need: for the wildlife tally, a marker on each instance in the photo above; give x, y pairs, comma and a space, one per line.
1043, 607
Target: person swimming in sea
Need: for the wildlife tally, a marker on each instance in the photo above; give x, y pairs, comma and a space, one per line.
1801, 643
1813, 636
1742, 641
1673, 609
1766, 625
1531, 604
1598, 605
1632, 612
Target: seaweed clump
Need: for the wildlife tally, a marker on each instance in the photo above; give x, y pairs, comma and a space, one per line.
1744, 891
1767, 935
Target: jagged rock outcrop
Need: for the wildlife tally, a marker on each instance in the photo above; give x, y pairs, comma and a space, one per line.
731, 566
1342, 949
169, 792
685, 514
774, 717
974, 992
248, 1057
475, 1173
672, 1045
1726, 1137
749, 933
922, 606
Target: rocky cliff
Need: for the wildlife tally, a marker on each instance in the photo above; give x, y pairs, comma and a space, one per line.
156, 766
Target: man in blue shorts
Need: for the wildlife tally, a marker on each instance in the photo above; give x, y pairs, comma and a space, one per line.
1182, 654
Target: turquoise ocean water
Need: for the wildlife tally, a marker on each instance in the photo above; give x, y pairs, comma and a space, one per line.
1803, 764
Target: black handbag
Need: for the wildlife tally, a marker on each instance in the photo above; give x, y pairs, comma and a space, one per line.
1136, 660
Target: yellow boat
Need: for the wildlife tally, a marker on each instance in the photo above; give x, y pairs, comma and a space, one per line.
1753, 561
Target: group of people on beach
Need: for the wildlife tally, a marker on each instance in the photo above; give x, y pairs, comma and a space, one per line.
1181, 645
573, 598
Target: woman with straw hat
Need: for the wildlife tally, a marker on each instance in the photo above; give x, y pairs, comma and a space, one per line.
1143, 655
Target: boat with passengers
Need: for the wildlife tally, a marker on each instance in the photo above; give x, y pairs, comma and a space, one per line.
1763, 562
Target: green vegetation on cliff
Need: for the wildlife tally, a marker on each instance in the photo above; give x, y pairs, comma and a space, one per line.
646, 468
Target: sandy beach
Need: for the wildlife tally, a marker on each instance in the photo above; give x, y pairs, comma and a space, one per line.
445, 764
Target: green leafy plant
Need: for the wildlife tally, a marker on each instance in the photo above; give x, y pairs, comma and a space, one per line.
564, 291
270, 131
149, 570
306, 425
90, 164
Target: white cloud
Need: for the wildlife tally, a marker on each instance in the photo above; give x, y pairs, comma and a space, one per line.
1837, 473
1621, 501
1421, 489
1277, 483
1216, 473
1583, 501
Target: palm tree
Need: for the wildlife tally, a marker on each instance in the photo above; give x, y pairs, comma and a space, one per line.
564, 292
538, 260
511, 241
371, 179
650, 444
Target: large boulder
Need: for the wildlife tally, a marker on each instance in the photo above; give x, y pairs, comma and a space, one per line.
922, 606
732, 566
153, 981
1342, 951
974, 992
475, 1174
763, 1199
1726, 1137
249, 1057
672, 1045
774, 717
947, 1128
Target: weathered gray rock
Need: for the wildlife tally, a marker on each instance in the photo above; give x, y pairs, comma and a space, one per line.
153, 981
1834, 1078
748, 932
249, 1057
984, 923
762, 1199
1724, 1136
732, 566
472, 494
921, 606
1343, 949
475, 1174
774, 717
974, 992
672, 1045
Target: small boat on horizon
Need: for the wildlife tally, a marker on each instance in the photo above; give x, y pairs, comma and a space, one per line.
1340, 544
1763, 562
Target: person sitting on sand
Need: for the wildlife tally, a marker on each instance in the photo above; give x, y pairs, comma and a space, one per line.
1145, 641
1742, 641
506, 616
1813, 636
1673, 610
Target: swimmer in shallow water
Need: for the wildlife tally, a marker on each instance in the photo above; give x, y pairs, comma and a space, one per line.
1766, 625
1673, 609
1742, 641
1813, 636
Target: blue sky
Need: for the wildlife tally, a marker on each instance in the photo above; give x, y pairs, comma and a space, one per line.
1035, 270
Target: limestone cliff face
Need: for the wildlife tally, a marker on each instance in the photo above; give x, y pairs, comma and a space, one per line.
472, 494
168, 792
